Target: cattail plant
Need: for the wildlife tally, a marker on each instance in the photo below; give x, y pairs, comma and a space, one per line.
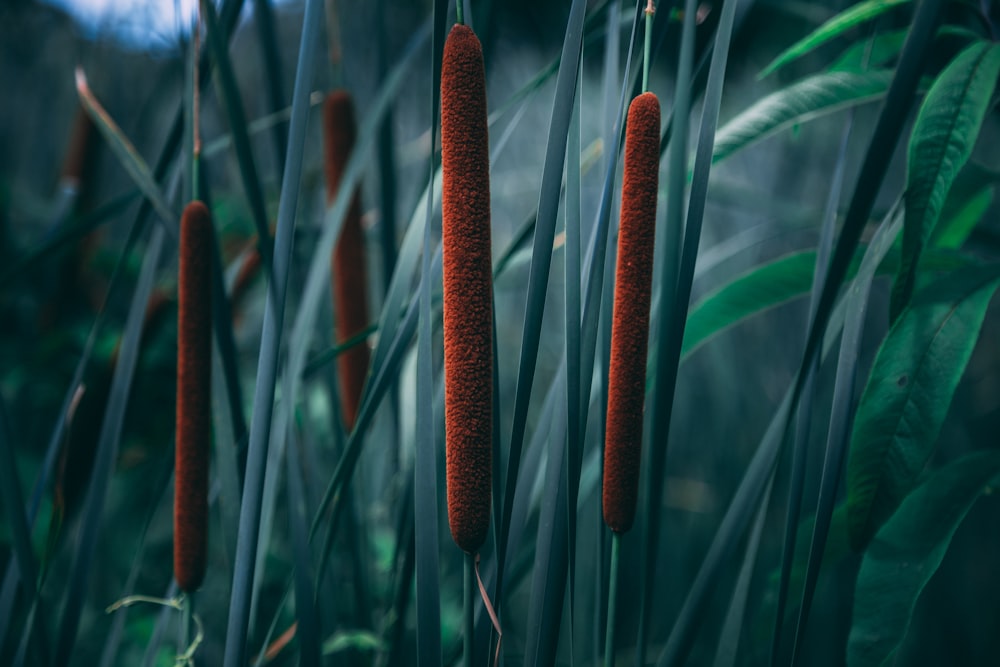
468, 300
194, 363
630, 328
468, 288
348, 261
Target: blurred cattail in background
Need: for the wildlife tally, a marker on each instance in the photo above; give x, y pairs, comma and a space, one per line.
468, 288
349, 273
630, 329
194, 363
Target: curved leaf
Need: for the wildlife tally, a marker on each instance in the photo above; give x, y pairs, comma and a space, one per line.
859, 13
774, 283
943, 137
810, 98
906, 553
905, 402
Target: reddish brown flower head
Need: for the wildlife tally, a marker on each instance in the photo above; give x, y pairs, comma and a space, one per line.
630, 328
468, 288
194, 364
350, 282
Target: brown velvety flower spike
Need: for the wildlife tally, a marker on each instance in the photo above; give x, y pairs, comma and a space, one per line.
630, 328
468, 288
348, 261
194, 363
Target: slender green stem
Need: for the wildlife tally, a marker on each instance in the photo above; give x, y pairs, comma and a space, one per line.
609, 646
650, 10
184, 635
470, 599
460, 12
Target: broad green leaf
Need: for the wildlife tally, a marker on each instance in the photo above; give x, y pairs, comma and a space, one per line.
943, 138
774, 283
907, 552
800, 102
859, 13
910, 388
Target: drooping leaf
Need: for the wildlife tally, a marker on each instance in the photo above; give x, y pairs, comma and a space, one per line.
906, 553
943, 137
839, 24
910, 388
815, 96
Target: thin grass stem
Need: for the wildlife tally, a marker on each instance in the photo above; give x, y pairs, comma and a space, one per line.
609, 645
468, 636
650, 10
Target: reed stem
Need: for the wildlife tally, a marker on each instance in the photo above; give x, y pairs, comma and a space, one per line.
470, 599
650, 10
609, 645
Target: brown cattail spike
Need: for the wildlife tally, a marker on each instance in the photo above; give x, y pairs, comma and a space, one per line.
630, 329
468, 288
194, 363
348, 261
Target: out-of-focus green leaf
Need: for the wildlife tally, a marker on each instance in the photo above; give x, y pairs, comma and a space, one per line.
907, 552
839, 24
815, 96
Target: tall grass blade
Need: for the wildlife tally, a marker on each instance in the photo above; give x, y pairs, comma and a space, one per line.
742, 507
107, 450
858, 299
729, 638
541, 256
804, 417
873, 170
233, 104
260, 427
574, 439
307, 631
425, 487
113, 639
13, 500
272, 76
548, 582
671, 308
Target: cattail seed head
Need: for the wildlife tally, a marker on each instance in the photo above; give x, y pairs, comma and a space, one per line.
630, 328
193, 428
468, 288
348, 262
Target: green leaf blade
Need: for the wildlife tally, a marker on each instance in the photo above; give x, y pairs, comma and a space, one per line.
839, 24
906, 400
943, 138
907, 552
800, 102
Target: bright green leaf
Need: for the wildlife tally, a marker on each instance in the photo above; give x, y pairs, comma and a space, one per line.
910, 388
943, 138
907, 552
859, 13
